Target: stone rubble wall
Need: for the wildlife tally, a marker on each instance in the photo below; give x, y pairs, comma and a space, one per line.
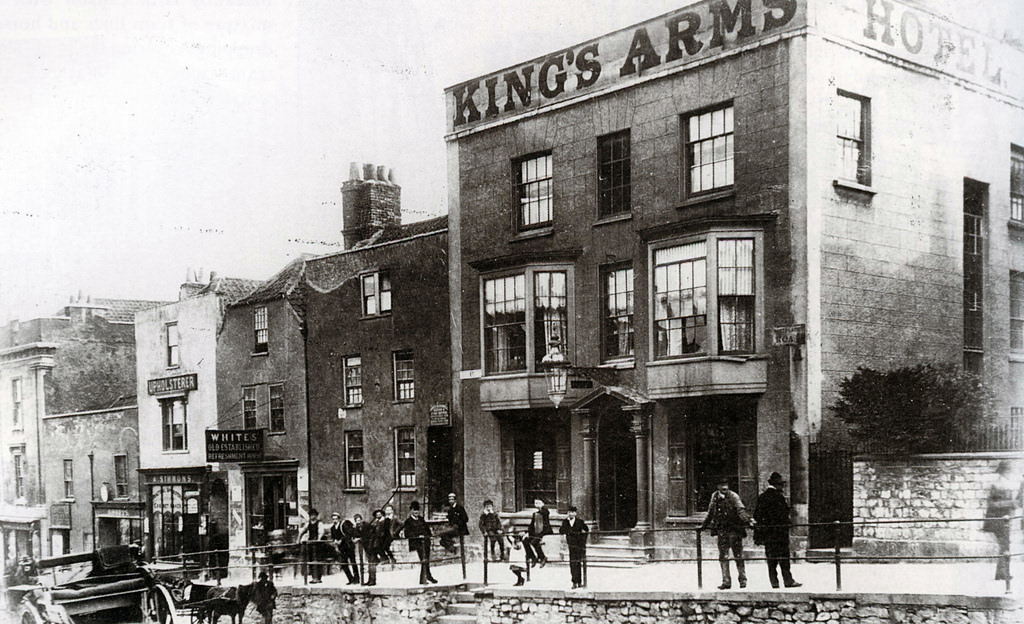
925, 487
337, 606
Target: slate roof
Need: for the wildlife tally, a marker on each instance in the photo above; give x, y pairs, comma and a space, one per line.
123, 310
289, 283
230, 288
406, 230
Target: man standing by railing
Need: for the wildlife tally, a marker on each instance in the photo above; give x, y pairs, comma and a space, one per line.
772, 517
417, 531
728, 519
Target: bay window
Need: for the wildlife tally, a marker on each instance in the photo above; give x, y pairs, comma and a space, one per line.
516, 335
701, 285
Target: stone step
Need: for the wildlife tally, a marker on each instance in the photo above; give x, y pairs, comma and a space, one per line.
462, 608
457, 619
464, 596
827, 554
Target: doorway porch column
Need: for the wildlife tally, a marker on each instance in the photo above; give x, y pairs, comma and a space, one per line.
588, 431
638, 427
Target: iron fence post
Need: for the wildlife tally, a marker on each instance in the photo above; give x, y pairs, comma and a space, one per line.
835, 555
1006, 556
700, 559
487, 547
462, 554
584, 564
305, 562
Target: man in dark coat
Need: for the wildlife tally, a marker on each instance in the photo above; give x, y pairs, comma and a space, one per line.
313, 551
575, 532
728, 519
342, 534
540, 525
458, 523
772, 517
417, 531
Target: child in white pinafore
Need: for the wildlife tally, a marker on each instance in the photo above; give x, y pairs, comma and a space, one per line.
517, 558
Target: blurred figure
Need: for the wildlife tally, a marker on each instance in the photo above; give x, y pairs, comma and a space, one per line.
264, 597
1002, 503
540, 525
728, 519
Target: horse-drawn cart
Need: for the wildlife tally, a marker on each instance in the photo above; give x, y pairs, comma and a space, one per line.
111, 585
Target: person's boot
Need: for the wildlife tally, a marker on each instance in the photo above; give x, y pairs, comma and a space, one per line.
726, 575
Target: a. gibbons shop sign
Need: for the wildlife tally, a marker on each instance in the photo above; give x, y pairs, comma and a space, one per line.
688, 34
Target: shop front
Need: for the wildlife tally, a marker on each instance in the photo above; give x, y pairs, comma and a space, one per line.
182, 506
271, 500
118, 523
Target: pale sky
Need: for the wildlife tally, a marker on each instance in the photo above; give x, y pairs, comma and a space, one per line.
140, 138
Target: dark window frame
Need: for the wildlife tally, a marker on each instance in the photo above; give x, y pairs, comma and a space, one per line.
250, 407
120, 476
379, 292
17, 402
614, 175
352, 392
1017, 184
277, 421
69, 478
173, 353
167, 424
1017, 310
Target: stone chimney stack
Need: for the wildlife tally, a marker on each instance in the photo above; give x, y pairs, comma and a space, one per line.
371, 200
192, 285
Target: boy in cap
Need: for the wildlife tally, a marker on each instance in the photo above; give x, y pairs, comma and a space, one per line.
772, 517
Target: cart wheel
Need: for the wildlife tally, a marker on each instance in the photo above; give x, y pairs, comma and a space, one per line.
157, 607
28, 614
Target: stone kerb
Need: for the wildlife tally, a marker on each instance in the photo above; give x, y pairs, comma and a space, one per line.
924, 487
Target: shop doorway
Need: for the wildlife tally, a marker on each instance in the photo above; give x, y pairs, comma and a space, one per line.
616, 473
439, 466
267, 505
723, 445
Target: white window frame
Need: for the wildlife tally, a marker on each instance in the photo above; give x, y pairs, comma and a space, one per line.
167, 409
355, 480
858, 143
250, 407
1017, 311
404, 382
375, 287
351, 362
543, 204
18, 460
261, 329
711, 236
719, 129
17, 402
528, 273
173, 349
69, 478
405, 480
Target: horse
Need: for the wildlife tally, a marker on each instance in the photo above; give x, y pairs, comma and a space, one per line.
218, 601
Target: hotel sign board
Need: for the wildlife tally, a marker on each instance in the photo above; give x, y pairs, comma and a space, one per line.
173, 384
238, 445
657, 46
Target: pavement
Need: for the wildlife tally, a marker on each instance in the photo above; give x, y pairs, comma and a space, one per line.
936, 579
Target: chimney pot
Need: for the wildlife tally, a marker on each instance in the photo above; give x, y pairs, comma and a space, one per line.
382, 173
392, 176
368, 171
355, 170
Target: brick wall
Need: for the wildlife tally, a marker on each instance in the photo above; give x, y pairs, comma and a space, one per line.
924, 487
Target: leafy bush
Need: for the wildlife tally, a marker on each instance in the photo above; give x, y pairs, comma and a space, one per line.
917, 409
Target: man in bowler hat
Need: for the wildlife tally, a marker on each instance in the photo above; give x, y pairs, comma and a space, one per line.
772, 529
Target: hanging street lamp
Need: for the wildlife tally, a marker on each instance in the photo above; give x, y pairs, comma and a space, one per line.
556, 371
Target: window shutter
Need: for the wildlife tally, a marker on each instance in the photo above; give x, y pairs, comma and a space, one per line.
747, 460
508, 469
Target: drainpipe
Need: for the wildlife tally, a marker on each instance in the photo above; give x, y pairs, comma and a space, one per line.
92, 496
